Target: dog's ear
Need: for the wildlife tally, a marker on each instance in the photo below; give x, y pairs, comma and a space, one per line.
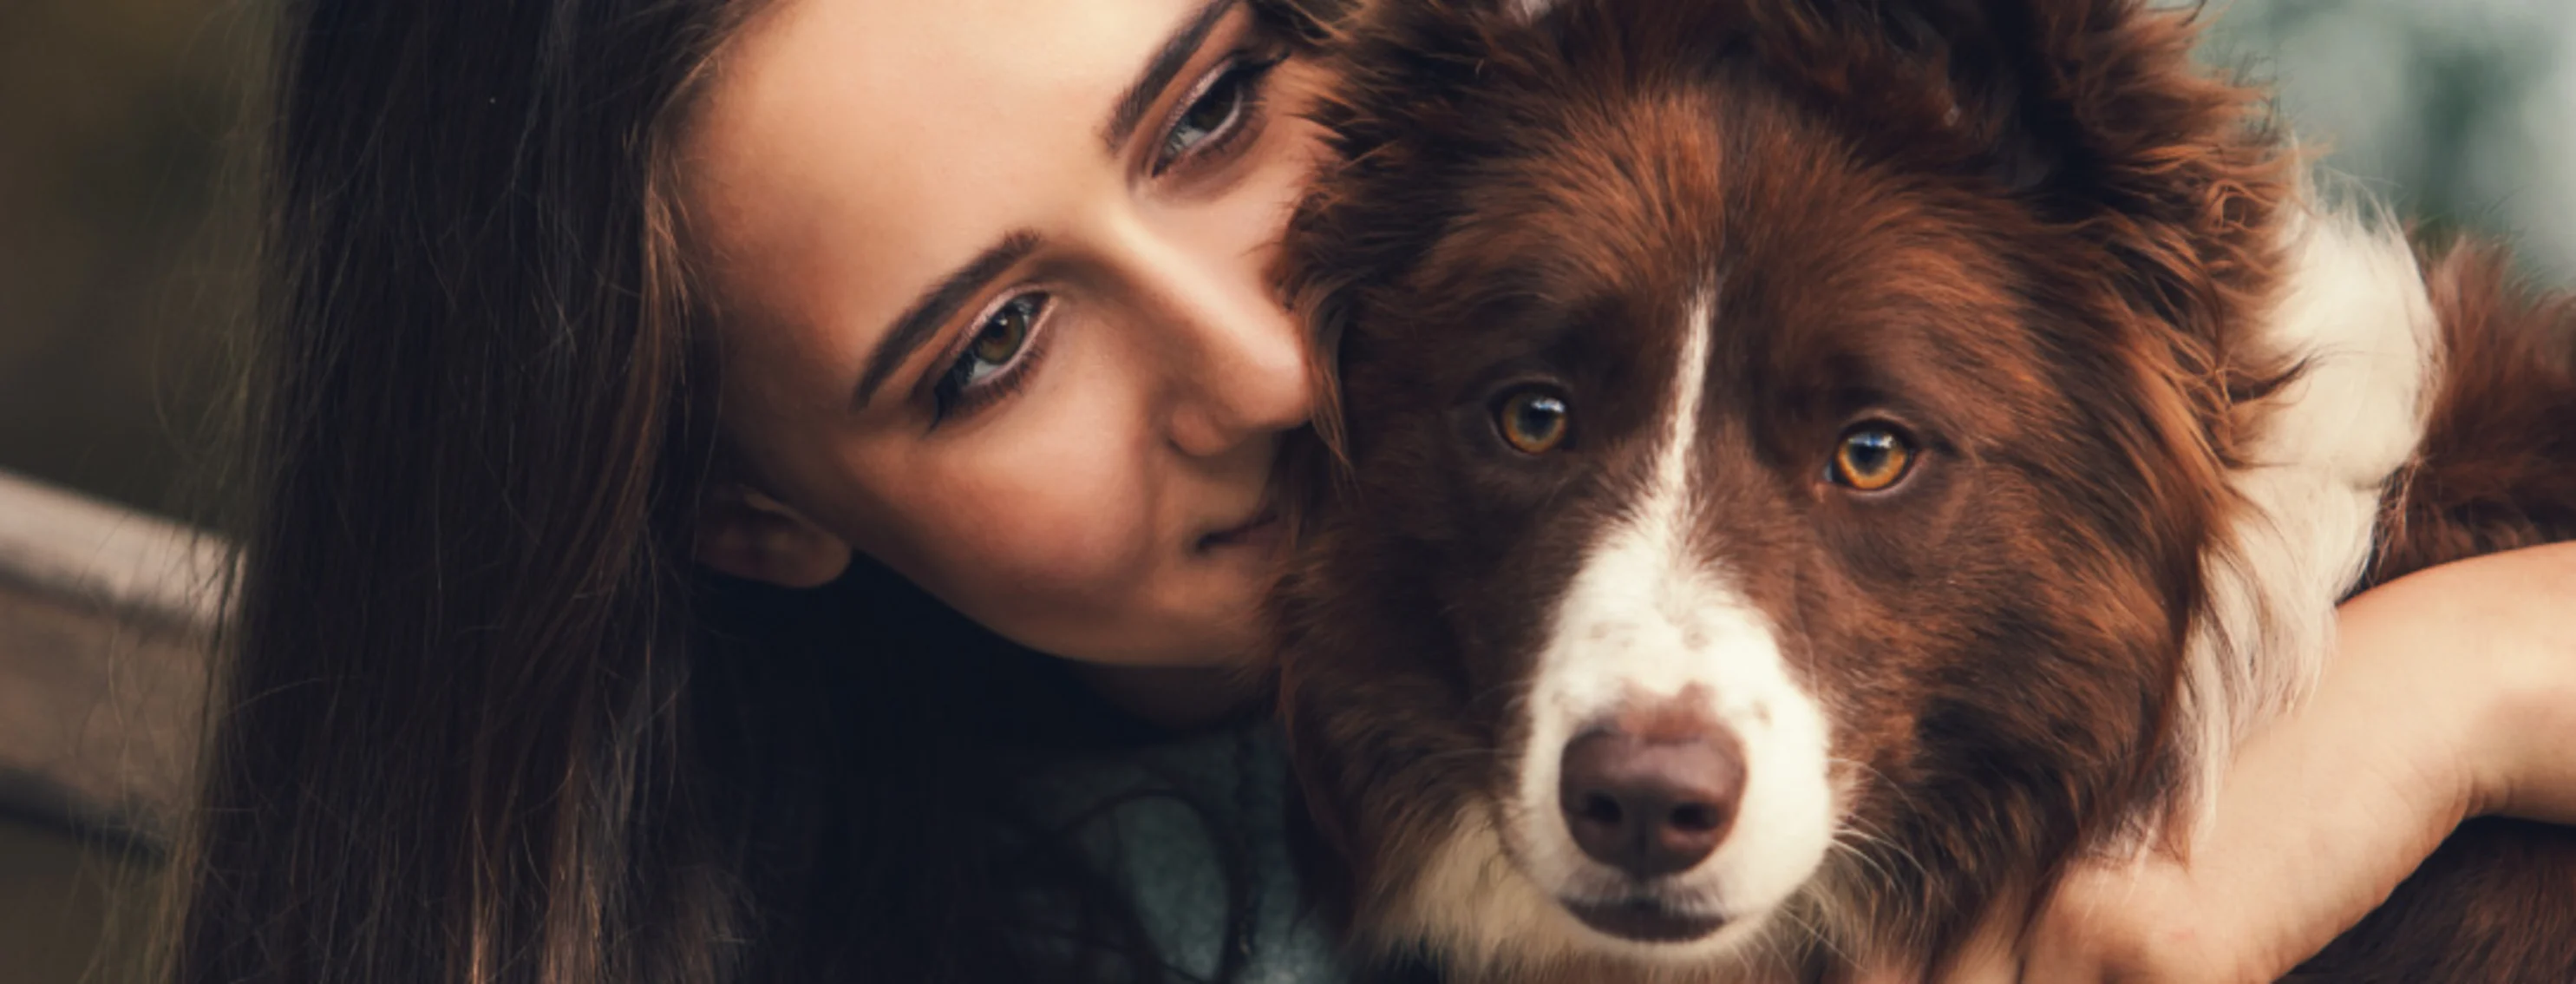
2091, 112
2073, 95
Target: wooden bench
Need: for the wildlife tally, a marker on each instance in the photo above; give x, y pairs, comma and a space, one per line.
104, 618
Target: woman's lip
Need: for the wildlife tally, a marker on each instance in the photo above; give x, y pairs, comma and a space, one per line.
1243, 532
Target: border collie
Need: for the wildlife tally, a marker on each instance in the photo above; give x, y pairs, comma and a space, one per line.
1809, 469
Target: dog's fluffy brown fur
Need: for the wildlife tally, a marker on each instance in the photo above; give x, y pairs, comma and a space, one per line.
2167, 405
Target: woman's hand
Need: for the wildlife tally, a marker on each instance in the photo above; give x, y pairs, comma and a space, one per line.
2452, 695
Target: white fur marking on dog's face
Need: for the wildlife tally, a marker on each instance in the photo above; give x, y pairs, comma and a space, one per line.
1648, 617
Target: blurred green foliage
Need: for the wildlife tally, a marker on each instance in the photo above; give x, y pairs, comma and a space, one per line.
2459, 113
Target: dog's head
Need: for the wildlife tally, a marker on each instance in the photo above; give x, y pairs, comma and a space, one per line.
1778, 440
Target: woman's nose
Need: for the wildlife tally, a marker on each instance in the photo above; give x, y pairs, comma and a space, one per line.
1235, 365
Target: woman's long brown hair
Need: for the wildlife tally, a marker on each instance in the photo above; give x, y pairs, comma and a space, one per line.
477, 718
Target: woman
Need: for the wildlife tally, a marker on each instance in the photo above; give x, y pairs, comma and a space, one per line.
636, 373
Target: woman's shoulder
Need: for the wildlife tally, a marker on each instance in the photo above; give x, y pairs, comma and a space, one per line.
1194, 830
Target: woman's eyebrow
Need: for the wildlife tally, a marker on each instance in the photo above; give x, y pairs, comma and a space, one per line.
1167, 62
936, 307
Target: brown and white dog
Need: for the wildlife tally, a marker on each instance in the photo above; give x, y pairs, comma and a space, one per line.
1811, 468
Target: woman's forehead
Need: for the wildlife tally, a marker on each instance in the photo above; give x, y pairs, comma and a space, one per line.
900, 138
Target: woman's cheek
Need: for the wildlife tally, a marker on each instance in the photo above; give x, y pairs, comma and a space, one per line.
1063, 519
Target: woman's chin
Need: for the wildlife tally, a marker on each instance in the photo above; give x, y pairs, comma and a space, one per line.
1181, 698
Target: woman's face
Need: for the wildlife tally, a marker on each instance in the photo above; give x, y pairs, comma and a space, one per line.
995, 310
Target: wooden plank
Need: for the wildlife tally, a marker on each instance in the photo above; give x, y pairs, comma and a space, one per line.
104, 615
60, 542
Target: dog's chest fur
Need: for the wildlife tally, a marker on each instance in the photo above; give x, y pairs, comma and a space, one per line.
2160, 407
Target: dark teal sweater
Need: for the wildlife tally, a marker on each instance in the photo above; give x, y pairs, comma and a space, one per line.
1164, 815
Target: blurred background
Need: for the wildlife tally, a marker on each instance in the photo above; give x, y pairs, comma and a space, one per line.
2460, 112
128, 133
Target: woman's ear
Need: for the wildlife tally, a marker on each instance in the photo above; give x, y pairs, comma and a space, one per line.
743, 533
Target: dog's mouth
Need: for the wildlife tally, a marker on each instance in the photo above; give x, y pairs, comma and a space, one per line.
1646, 919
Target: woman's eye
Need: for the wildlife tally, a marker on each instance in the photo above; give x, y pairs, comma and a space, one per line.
1216, 113
1533, 420
1870, 458
998, 341
1003, 334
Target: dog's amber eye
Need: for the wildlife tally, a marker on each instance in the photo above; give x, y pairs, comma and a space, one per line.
1532, 421
1871, 457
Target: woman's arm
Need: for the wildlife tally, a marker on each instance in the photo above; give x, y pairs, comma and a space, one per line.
2525, 765
2452, 695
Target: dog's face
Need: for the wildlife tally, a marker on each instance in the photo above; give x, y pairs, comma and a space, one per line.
1768, 499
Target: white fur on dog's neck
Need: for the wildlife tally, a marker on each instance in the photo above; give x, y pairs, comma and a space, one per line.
2354, 315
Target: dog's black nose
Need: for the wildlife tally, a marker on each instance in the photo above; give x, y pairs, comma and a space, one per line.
1651, 807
